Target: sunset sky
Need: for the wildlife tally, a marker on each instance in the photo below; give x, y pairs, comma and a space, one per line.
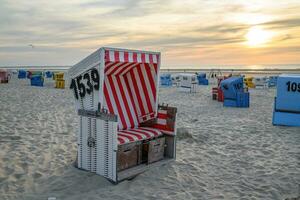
190, 33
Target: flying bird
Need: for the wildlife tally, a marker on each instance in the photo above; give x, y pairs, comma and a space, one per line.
31, 45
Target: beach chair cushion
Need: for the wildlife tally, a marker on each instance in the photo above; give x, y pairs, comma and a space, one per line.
164, 121
137, 134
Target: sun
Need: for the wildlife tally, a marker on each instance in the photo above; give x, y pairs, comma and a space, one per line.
257, 36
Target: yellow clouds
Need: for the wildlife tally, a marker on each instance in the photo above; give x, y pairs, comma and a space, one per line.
188, 33
257, 36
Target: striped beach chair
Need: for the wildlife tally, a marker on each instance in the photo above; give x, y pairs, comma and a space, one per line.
123, 130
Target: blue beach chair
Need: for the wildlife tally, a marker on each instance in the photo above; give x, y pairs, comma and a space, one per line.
287, 102
234, 92
37, 80
166, 80
21, 74
48, 74
272, 82
201, 77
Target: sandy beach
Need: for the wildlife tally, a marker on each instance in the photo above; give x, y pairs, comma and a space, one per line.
222, 153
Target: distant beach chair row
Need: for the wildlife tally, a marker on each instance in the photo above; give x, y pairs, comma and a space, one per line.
37, 77
261, 82
232, 91
185, 82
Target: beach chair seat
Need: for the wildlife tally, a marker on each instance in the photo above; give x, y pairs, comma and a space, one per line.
137, 134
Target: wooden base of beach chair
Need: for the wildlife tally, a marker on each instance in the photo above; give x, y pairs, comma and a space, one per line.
147, 152
158, 152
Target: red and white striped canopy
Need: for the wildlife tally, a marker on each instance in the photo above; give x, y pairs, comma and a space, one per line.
130, 86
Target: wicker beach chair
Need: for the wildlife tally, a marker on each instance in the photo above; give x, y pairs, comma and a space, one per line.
187, 82
123, 130
261, 82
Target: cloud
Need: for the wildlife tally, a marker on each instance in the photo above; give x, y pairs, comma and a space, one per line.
129, 8
180, 41
283, 24
200, 29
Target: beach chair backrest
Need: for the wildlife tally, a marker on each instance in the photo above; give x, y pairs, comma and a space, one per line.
124, 82
130, 86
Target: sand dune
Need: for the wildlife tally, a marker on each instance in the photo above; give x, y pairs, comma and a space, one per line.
222, 153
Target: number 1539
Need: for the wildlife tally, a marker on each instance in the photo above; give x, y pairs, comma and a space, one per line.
81, 88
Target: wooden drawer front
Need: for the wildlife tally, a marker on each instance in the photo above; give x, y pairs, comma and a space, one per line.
128, 156
156, 150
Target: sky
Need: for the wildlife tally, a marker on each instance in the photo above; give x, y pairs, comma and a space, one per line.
190, 33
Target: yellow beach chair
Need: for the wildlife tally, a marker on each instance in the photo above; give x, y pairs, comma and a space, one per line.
249, 82
58, 75
60, 83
